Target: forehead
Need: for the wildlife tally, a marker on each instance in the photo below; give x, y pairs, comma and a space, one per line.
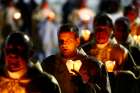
66, 35
102, 28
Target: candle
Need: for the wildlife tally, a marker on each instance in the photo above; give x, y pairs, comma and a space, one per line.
17, 15
110, 65
86, 34
73, 65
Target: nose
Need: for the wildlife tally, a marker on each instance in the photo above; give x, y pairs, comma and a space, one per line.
13, 55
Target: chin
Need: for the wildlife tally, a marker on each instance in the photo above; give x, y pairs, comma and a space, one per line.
11, 69
67, 55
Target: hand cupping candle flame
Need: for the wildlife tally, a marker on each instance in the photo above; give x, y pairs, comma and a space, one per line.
73, 65
86, 34
110, 65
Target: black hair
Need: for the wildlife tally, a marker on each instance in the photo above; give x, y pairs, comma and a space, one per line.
130, 7
124, 22
17, 39
102, 19
69, 28
109, 6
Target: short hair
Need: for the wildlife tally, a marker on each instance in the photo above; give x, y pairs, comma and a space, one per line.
128, 8
124, 22
102, 19
69, 28
18, 39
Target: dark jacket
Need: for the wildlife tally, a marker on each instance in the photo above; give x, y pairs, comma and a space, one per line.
92, 72
113, 52
39, 82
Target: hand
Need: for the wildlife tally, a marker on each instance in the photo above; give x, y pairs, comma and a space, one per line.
76, 78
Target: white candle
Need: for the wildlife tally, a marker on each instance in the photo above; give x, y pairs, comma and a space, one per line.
73, 65
110, 65
86, 34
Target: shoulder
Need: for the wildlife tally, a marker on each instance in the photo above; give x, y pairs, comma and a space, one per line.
91, 62
49, 60
43, 81
118, 48
52, 57
86, 47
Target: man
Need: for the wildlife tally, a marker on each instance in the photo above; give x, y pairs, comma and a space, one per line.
132, 13
104, 49
75, 72
17, 75
115, 57
121, 33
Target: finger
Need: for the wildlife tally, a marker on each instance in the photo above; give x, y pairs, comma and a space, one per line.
76, 73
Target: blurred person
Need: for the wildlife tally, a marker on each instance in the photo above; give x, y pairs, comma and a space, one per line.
137, 4
46, 31
121, 34
116, 58
104, 49
131, 12
112, 7
82, 16
13, 17
75, 71
25, 7
48, 34
67, 9
44, 12
17, 75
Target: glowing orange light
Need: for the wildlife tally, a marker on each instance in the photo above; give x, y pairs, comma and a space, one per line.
85, 17
8, 85
51, 15
73, 65
86, 34
85, 14
110, 65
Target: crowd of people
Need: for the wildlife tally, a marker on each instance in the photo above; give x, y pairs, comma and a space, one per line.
85, 52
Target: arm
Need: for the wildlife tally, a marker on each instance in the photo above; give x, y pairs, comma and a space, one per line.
102, 81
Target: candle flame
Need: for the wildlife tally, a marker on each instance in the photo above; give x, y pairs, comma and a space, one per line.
73, 65
86, 34
110, 65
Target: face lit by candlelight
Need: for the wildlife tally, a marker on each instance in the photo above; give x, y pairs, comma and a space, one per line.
68, 43
132, 15
15, 63
14, 57
102, 34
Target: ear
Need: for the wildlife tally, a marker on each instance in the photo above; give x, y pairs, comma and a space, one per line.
77, 41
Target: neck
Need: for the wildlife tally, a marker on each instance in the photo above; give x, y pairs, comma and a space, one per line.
18, 74
70, 56
102, 45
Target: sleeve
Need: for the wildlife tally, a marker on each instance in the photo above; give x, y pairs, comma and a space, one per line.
100, 80
57, 87
51, 84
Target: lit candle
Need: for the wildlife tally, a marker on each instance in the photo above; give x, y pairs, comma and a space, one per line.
73, 65
17, 15
85, 17
110, 65
86, 34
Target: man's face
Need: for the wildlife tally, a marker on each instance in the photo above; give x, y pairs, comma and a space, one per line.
68, 43
102, 34
14, 61
120, 33
132, 15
